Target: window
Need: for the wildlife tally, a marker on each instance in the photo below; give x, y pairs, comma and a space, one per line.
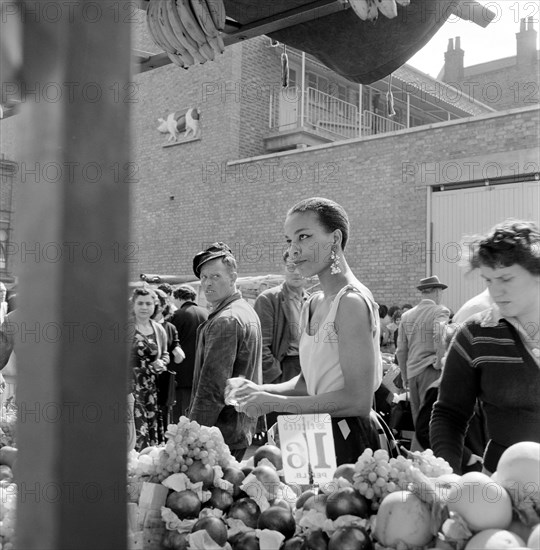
292, 78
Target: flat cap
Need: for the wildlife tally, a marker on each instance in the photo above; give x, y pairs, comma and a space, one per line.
213, 252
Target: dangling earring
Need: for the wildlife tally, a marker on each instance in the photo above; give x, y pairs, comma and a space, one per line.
334, 266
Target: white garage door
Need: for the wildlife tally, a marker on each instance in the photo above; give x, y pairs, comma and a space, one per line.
456, 214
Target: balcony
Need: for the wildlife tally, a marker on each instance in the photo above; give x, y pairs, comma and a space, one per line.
313, 118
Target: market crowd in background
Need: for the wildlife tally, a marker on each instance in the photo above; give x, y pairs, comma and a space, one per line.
469, 382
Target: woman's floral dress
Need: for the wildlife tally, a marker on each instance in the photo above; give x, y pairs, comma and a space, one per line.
146, 410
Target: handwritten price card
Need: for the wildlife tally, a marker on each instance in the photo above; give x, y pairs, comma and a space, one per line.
307, 445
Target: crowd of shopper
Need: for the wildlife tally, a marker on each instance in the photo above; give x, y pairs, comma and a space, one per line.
472, 379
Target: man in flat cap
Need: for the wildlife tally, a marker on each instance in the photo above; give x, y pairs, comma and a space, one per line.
229, 344
420, 346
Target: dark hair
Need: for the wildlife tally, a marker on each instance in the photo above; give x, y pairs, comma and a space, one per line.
166, 287
508, 243
185, 292
161, 297
392, 310
383, 310
143, 292
331, 215
406, 306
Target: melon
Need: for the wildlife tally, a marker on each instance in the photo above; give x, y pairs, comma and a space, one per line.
481, 502
518, 470
533, 542
494, 539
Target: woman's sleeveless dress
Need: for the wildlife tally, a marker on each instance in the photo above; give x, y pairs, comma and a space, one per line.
319, 359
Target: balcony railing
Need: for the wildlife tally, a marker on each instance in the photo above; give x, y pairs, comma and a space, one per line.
326, 114
373, 123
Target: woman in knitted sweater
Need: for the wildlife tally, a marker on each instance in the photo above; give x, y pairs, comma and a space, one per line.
495, 355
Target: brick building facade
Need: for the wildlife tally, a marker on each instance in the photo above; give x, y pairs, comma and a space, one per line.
224, 185
503, 83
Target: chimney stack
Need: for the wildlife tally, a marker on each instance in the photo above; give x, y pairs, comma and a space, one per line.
526, 42
453, 61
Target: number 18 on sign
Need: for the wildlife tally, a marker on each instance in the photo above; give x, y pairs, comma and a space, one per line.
307, 445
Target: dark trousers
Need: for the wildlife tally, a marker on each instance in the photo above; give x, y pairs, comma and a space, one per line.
238, 454
183, 397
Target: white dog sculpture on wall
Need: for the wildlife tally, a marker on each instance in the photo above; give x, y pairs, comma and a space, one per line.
180, 121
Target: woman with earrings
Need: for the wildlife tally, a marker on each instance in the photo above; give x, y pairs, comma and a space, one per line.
339, 339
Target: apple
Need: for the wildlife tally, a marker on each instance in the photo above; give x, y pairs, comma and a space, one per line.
347, 501
350, 538
303, 497
271, 453
236, 477
6, 473
296, 543
173, 540
185, 504
215, 527
247, 510
316, 540
201, 472
245, 541
8, 455
220, 499
346, 471
316, 502
269, 477
277, 518
281, 502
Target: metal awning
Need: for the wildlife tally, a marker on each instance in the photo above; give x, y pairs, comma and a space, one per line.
361, 51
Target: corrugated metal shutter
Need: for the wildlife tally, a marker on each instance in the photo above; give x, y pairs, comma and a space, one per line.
458, 213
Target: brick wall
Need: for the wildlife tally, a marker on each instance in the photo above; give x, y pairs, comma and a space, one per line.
380, 181
506, 88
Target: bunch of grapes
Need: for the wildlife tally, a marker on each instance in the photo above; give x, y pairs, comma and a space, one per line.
188, 442
429, 464
8, 502
378, 475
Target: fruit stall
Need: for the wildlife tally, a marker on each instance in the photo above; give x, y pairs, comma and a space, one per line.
190, 494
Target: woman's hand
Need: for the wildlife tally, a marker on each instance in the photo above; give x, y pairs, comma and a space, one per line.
158, 366
252, 402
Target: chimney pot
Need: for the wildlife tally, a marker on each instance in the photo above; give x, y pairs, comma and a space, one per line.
450, 45
458, 43
522, 26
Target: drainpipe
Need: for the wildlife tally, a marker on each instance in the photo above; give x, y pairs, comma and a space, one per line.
408, 110
303, 84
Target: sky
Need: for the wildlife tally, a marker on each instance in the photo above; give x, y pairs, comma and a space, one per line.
495, 41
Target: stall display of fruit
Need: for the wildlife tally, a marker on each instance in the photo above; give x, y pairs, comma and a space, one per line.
8, 489
8, 420
412, 502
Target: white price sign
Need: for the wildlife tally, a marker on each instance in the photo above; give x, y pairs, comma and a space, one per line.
307, 445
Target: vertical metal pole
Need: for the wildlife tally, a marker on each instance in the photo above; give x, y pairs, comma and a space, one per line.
360, 115
408, 110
